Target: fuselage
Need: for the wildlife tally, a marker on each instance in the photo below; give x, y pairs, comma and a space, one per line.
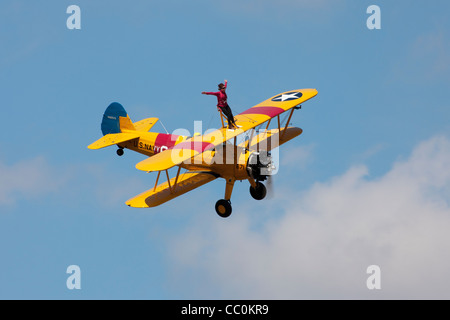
151, 143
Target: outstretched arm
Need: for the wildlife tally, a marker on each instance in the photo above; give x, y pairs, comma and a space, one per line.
211, 93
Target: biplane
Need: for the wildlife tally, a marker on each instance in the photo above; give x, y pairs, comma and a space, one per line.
206, 157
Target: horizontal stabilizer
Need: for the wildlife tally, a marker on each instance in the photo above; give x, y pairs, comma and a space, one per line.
112, 139
167, 191
146, 124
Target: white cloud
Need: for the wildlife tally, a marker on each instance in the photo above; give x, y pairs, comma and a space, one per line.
320, 242
426, 59
434, 49
298, 156
27, 179
112, 189
101, 183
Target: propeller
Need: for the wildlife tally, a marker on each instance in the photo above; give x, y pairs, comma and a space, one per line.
270, 187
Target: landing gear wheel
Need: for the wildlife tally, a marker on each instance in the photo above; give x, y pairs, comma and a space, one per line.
223, 208
120, 152
259, 192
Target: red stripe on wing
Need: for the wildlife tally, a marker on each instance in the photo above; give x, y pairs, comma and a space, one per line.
268, 111
199, 146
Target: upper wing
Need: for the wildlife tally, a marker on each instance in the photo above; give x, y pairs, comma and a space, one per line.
165, 191
273, 107
185, 150
246, 120
113, 138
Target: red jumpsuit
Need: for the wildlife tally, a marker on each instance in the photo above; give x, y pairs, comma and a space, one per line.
223, 104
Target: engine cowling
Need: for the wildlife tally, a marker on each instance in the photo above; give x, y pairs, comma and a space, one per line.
260, 165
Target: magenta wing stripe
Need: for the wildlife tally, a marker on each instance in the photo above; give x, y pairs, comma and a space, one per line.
198, 146
268, 111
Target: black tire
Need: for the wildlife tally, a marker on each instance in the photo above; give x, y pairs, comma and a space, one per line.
259, 192
120, 152
223, 208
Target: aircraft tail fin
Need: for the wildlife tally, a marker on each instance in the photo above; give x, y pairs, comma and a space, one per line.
115, 119
116, 127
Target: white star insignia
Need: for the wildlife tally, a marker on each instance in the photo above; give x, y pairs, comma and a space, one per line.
287, 96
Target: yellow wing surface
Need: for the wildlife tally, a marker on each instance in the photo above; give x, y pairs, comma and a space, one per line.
271, 139
273, 107
186, 150
167, 191
246, 120
146, 124
112, 139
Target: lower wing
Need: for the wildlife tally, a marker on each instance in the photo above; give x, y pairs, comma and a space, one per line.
171, 189
271, 139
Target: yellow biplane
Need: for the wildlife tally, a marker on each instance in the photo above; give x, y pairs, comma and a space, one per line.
206, 157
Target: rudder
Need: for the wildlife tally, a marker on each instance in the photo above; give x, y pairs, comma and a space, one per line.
114, 119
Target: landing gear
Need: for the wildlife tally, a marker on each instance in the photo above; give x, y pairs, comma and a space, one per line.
120, 152
259, 191
223, 208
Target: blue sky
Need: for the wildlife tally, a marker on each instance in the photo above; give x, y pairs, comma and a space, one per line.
366, 183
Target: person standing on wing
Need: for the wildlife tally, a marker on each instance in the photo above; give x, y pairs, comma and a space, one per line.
222, 104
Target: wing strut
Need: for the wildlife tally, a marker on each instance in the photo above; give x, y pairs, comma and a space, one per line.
168, 180
171, 188
287, 122
157, 179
